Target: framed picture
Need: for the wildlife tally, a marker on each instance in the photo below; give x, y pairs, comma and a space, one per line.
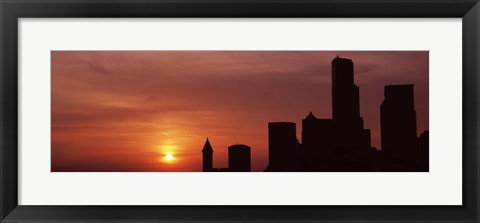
175, 111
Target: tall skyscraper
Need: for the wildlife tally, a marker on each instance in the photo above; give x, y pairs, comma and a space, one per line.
239, 158
399, 123
345, 94
207, 153
282, 147
346, 106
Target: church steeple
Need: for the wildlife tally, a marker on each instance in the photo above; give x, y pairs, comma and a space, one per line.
207, 147
207, 152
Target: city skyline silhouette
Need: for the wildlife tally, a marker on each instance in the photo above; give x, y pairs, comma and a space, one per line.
341, 144
152, 111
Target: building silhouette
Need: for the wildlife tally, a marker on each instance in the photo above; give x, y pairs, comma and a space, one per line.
399, 125
283, 148
423, 151
318, 143
207, 153
346, 107
239, 158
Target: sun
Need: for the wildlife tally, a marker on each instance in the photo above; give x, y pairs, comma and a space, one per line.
169, 157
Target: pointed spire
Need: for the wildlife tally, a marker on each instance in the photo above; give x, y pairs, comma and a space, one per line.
207, 147
310, 117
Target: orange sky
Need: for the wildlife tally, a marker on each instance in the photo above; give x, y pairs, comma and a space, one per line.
124, 110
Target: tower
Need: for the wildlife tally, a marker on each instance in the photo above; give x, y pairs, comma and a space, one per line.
345, 94
398, 123
239, 158
346, 106
207, 152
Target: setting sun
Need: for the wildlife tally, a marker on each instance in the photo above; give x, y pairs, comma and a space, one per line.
169, 157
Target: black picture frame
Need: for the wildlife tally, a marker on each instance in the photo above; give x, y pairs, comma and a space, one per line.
12, 10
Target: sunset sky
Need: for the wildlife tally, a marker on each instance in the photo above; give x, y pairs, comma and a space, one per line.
126, 110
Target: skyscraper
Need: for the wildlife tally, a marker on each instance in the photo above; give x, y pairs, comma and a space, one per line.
345, 94
399, 123
346, 106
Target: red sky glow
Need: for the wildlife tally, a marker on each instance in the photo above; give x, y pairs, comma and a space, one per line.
125, 110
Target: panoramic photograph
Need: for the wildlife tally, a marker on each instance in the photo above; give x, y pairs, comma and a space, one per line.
239, 111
